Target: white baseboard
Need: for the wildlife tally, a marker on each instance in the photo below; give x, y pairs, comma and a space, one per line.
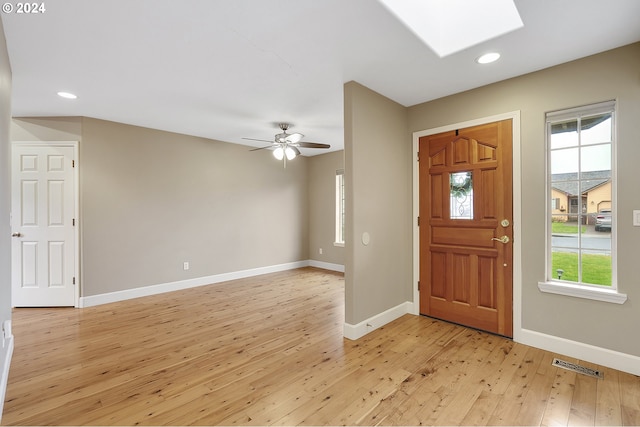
6, 351
589, 353
326, 265
353, 332
144, 291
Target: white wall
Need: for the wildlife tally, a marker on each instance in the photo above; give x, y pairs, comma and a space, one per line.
5, 208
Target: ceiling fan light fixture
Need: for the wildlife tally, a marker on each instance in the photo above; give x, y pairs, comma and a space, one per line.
290, 153
286, 146
278, 153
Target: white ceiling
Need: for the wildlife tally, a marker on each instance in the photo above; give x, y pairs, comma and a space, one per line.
227, 69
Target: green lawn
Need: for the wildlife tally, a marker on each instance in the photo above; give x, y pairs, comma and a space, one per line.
596, 269
566, 228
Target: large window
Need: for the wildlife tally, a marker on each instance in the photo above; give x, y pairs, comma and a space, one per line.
581, 197
340, 215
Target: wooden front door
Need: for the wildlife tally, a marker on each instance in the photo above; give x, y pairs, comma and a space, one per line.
466, 227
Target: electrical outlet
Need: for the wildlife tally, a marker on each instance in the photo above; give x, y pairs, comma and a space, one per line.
320, 251
185, 265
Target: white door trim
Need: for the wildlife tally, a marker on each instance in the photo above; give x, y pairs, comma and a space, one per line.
76, 207
517, 212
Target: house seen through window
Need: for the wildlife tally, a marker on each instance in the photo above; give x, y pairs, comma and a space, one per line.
581, 195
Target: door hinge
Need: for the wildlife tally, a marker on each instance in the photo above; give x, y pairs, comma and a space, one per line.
418, 284
418, 221
74, 281
418, 156
73, 222
73, 163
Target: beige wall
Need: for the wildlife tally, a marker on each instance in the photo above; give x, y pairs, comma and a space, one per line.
151, 200
609, 75
322, 207
378, 276
5, 194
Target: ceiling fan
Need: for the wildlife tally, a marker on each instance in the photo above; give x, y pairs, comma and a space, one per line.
285, 145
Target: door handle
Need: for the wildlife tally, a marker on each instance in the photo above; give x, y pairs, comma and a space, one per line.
503, 239
16, 235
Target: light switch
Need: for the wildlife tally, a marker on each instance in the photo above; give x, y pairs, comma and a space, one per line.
636, 218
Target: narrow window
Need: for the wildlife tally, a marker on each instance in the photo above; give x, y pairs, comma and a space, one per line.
461, 195
581, 146
340, 208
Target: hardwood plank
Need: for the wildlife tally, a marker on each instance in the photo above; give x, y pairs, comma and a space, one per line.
608, 399
630, 399
199, 357
496, 380
472, 383
539, 390
508, 408
434, 382
559, 406
583, 404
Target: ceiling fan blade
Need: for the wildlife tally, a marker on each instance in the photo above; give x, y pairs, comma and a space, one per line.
292, 138
312, 145
262, 148
295, 149
261, 140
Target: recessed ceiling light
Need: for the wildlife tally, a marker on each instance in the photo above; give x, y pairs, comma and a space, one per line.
488, 58
67, 95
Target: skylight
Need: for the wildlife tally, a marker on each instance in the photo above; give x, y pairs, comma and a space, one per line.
449, 26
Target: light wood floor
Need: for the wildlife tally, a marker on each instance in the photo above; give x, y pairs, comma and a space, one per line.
269, 350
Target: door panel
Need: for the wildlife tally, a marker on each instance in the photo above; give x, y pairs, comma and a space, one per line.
465, 193
43, 210
464, 236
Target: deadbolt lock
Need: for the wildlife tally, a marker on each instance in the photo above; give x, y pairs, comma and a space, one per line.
504, 223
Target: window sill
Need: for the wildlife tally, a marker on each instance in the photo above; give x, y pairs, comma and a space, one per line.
582, 291
339, 244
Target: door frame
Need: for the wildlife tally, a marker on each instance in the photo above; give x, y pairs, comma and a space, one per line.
76, 207
517, 210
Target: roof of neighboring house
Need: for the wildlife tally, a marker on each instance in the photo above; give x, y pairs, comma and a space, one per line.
572, 124
568, 184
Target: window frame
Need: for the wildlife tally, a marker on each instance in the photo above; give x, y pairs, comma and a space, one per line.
570, 288
340, 209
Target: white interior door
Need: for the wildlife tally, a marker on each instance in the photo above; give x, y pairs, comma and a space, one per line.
43, 206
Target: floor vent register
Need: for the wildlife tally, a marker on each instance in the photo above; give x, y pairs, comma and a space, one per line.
578, 368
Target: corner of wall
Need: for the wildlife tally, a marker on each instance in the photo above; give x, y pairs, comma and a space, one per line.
6, 352
353, 332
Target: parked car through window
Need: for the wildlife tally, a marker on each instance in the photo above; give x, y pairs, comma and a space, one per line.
603, 220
